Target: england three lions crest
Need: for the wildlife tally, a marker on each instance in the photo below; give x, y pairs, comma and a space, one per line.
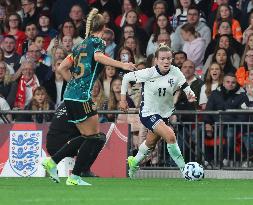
25, 151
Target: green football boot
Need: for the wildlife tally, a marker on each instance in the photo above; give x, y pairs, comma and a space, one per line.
133, 166
50, 167
76, 180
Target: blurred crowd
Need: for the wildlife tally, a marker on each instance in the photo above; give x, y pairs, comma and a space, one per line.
212, 42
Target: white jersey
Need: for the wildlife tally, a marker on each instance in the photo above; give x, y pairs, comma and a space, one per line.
157, 89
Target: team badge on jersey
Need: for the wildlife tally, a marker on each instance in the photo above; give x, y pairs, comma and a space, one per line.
153, 118
171, 82
25, 151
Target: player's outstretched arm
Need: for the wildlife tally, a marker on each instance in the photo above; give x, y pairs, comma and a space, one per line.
64, 67
101, 58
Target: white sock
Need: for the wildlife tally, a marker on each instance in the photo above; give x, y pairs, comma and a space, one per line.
176, 155
142, 153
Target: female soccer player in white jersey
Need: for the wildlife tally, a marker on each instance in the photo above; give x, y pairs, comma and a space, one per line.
159, 83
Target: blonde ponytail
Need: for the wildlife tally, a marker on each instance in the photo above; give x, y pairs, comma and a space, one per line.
91, 15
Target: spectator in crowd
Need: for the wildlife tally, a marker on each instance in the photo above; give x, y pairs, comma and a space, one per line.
242, 73
9, 68
56, 85
124, 55
2, 14
194, 46
68, 29
58, 53
39, 41
180, 15
114, 98
39, 101
134, 44
61, 8
4, 106
10, 55
224, 42
130, 30
249, 92
224, 30
128, 5
13, 27
159, 7
235, 11
112, 6
105, 79
222, 57
246, 8
248, 30
150, 60
99, 99
31, 12
67, 43
214, 79
31, 32
161, 38
132, 18
109, 23
224, 13
23, 88
14, 6
5, 81
45, 28
43, 5
193, 18
126, 31
42, 71
248, 46
227, 96
188, 69
77, 16
179, 58
109, 38
162, 25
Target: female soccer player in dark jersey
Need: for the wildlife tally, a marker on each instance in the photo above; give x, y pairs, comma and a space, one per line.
81, 69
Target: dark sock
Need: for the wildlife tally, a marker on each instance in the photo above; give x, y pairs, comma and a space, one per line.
88, 152
69, 149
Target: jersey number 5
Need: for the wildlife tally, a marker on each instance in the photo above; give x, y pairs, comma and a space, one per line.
162, 91
80, 65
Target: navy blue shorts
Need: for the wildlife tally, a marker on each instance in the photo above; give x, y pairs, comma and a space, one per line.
151, 121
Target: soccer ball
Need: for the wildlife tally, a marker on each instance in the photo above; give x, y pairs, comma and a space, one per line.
193, 171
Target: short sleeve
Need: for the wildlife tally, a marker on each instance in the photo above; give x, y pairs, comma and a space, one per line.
144, 75
181, 78
99, 45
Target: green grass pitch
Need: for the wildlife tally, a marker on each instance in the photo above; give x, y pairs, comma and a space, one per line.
19, 191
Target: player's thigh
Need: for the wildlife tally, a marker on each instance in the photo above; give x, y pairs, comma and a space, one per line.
84, 115
165, 132
90, 126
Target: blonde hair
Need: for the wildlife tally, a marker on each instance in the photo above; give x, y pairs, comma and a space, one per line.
162, 47
95, 22
246, 49
7, 77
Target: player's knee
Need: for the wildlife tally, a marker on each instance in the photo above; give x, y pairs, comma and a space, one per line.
99, 138
172, 139
151, 144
